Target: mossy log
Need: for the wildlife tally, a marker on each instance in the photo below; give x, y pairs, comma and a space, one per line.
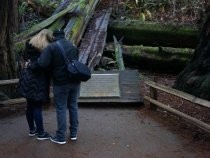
153, 34
76, 26
58, 24
46, 22
162, 59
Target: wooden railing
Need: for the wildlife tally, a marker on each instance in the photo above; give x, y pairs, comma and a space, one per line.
4, 83
8, 102
155, 103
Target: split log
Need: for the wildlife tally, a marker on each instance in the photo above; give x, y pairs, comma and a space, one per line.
46, 22
118, 55
162, 59
154, 34
93, 42
77, 24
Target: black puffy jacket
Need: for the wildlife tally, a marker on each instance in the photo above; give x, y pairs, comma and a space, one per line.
33, 84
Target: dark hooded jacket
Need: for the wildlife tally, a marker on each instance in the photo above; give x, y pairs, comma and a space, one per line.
33, 84
51, 56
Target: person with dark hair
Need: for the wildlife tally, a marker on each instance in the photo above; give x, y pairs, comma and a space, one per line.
66, 91
34, 86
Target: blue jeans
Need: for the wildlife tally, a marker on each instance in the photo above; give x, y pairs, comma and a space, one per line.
66, 96
34, 114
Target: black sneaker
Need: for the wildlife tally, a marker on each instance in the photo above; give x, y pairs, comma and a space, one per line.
73, 138
33, 133
56, 140
43, 136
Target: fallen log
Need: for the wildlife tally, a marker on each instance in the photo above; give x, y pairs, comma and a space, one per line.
139, 50
62, 6
162, 59
46, 22
153, 34
58, 24
93, 42
76, 26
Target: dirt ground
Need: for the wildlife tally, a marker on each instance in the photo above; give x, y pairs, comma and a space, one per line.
104, 132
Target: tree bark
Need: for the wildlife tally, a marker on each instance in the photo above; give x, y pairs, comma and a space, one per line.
8, 21
153, 34
195, 78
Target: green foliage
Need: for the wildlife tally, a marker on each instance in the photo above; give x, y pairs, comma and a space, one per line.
47, 2
22, 9
149, 4
27, 17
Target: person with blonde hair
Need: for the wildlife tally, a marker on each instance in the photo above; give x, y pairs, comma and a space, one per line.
34, 85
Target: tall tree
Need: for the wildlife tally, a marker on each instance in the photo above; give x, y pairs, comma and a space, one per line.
195, 78
9, 25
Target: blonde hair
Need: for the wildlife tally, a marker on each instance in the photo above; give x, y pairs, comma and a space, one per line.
42, 39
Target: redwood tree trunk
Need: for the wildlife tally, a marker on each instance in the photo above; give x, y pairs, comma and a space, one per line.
9, 23
195, 78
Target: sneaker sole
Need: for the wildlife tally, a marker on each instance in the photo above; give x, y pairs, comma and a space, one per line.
57, 142
32, 135
73, 139
42, 138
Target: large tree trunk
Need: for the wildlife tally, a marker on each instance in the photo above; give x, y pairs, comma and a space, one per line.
8, 21
195, 78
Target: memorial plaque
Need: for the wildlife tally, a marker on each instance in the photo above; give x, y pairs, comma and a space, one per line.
101, 85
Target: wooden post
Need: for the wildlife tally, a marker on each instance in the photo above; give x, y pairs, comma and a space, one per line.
153, 95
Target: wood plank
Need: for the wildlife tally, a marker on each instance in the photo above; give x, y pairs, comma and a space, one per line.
178, 93
186, 117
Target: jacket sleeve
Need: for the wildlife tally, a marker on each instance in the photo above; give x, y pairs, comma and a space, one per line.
43, 61
46, 57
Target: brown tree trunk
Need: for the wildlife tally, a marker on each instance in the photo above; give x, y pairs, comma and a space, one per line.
9, 23
195, 78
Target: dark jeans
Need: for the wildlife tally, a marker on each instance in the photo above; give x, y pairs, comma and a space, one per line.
34, 114
66, 95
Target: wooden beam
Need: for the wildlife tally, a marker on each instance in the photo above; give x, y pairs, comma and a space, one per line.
186, 117
180, 94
